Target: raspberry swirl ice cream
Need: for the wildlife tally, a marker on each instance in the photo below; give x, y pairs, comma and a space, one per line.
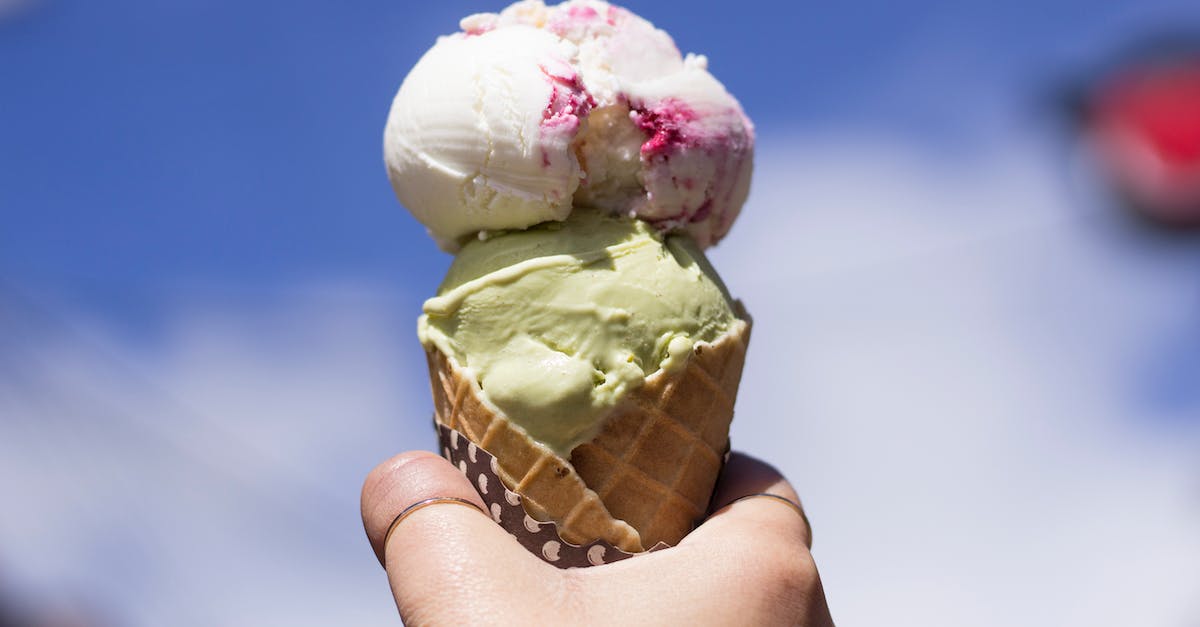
530, 113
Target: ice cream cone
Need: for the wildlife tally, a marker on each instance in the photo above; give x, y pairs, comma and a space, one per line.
645, 478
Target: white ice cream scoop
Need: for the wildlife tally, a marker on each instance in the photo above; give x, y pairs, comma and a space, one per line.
534, 111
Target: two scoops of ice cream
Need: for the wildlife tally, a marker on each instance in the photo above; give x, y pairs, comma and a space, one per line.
578, 165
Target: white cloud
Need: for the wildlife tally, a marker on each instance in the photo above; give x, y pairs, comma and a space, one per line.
222, 463
945, 346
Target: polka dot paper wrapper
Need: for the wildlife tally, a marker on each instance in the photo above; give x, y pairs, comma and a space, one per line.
504, 505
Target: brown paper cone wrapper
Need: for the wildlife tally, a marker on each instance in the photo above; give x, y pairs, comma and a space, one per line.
508, 510
642, 482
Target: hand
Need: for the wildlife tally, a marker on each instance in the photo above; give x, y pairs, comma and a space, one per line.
448, 564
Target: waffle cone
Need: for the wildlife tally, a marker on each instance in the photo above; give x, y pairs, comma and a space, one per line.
645, 478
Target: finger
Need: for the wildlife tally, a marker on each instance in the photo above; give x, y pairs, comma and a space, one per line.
744, 476
751, 551
752, 548
747, 475
401, 481
447, 558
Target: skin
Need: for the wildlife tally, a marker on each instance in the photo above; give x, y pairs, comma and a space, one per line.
748, 564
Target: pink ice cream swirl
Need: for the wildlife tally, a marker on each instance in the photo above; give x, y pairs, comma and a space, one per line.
569, 102
696, 166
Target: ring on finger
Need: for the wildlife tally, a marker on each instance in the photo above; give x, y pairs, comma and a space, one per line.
408, 511
786, 501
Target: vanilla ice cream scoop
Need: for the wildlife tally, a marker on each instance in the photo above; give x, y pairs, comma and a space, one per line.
534, 111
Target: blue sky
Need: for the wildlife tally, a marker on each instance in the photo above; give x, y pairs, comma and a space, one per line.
148, 147
976, 370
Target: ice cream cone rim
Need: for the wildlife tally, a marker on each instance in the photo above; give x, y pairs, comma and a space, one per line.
740, 326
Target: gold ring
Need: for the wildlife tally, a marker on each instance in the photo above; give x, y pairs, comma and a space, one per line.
790, 503
422, 505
